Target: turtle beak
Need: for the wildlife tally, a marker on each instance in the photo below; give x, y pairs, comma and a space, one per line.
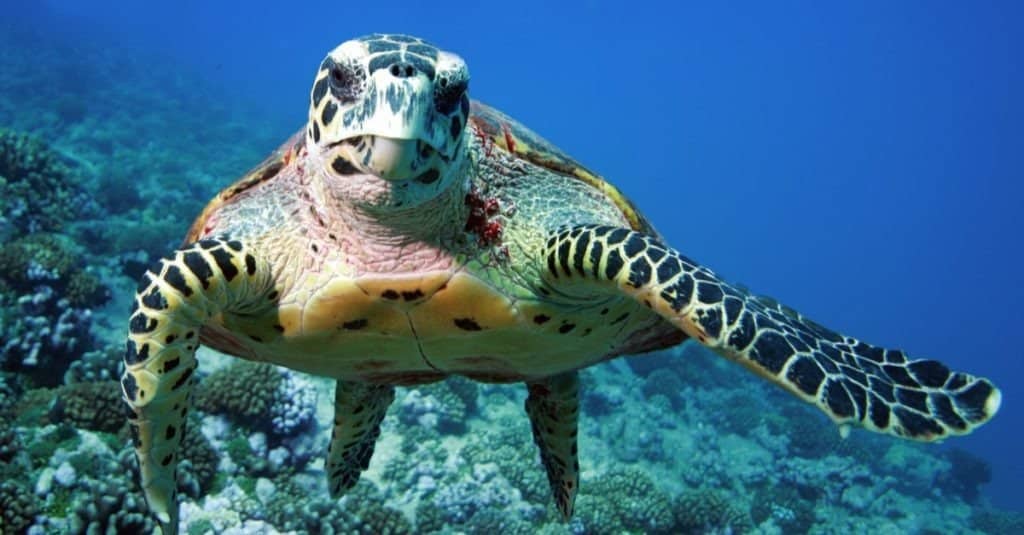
392, 158
389, 158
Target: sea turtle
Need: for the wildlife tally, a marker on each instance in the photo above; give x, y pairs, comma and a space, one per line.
408, 234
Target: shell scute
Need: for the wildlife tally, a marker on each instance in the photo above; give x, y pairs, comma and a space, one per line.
497, 130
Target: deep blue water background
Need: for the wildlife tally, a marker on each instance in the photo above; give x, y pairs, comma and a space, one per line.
863, 163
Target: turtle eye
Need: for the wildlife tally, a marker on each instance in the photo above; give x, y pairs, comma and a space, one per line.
340, 78
448, 94
345, 82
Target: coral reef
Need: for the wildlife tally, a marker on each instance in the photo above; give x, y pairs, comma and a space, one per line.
37, 190
95, 406
261, 396
17, 507
99, 191
706, 511
47, 308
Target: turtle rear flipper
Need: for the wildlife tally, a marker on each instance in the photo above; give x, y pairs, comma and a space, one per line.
175, 298
853, 382
359, 410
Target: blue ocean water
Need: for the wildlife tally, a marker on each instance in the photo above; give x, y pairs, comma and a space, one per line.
862, 163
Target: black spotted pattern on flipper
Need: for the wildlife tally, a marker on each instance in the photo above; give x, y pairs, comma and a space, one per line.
553, 407
358, 412
175, 297
853, 382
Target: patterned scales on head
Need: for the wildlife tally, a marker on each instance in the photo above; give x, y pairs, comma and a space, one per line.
408, 234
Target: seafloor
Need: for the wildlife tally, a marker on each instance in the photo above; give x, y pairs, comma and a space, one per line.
104, 160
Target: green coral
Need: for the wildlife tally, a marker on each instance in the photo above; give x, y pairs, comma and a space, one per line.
636, 502
707, 511
53, 259
37, 189
243, 390
18, 507
95, 406
598, 515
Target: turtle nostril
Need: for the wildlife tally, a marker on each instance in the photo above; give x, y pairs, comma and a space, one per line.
402, 70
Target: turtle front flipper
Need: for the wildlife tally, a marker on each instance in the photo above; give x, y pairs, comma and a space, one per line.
359, 409
553, 407
175, 298
853, 382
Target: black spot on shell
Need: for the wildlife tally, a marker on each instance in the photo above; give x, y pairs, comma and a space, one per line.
541, 319
250, 265
355, 325
169, 434
467, 324
566, 328
413, 295
389, 294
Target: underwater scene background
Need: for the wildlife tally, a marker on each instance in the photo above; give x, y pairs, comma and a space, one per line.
861, 163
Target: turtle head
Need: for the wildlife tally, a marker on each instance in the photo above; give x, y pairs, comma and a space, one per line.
387, 118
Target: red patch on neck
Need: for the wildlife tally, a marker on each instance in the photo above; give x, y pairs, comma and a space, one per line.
481, 218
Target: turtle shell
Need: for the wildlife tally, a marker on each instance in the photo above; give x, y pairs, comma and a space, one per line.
499, 130
266, 170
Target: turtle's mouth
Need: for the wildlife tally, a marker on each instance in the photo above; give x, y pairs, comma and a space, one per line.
392, 159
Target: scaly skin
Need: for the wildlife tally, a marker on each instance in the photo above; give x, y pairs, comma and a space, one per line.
406, 235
